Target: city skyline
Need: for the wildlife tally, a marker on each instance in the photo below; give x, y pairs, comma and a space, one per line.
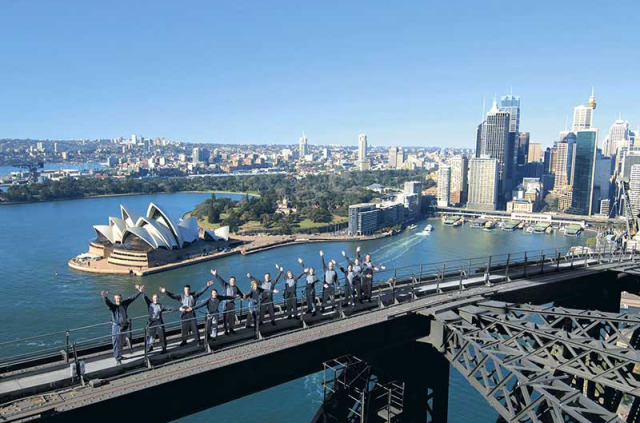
206, 74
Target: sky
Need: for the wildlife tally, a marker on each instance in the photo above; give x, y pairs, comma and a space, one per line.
403, 72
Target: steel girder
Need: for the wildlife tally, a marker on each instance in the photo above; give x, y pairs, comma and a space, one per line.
570, 352
519, 389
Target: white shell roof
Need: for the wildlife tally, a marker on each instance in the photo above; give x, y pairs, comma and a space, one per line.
157, 228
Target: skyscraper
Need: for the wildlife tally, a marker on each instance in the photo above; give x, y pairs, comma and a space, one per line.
617, 138
583, 115
393, 157
634, 188
483, 183
535, 152
362, 147
444, 185
493, 141
303, 147
558, 166
521, 156
584, 171
363, 162
459, 170
511, 104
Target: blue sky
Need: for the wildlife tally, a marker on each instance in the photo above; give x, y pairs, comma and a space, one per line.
405, 72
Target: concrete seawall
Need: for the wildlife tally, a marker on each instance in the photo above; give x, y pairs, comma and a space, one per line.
254, 245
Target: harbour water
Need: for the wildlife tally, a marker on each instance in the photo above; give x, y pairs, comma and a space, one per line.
40, 294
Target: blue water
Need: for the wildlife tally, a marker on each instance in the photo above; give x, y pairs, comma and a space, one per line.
40, 294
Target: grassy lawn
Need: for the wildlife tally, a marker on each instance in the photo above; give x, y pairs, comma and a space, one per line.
308, 223
206, 225
256, 226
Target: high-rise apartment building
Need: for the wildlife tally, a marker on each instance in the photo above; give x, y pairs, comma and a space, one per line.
584, 171
362, 147
444, 185
583, 115
393, 157
459, 171
303, 149
483, 183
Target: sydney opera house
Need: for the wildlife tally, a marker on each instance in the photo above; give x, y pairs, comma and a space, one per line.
152, 239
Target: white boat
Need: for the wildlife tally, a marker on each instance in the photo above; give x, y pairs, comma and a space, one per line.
428, 228
411, 227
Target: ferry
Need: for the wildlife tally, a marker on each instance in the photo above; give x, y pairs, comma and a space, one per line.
489, 225
573, 230
428, 228
511, 225
541, 228
453, 221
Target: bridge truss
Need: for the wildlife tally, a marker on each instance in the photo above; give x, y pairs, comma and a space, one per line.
546, 364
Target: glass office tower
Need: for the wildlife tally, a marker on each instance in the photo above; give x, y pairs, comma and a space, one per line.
584, 170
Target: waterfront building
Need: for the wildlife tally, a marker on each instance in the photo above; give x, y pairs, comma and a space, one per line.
391, 213
133, 240
458, 188
535, 152
583, 115
520, 206
483, 183
411, 203
444, 185
584, 171
363, 219
303, 148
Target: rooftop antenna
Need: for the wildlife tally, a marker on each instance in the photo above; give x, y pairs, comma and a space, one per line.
511, 91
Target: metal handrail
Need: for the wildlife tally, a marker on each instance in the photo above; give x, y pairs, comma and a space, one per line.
427, 273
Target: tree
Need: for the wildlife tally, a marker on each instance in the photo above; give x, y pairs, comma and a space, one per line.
214, 215
321, 215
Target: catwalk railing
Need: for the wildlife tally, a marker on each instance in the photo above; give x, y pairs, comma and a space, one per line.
402, 284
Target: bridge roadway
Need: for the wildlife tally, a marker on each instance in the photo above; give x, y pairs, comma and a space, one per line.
242, 364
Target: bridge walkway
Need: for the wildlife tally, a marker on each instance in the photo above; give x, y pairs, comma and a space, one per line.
396, 296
